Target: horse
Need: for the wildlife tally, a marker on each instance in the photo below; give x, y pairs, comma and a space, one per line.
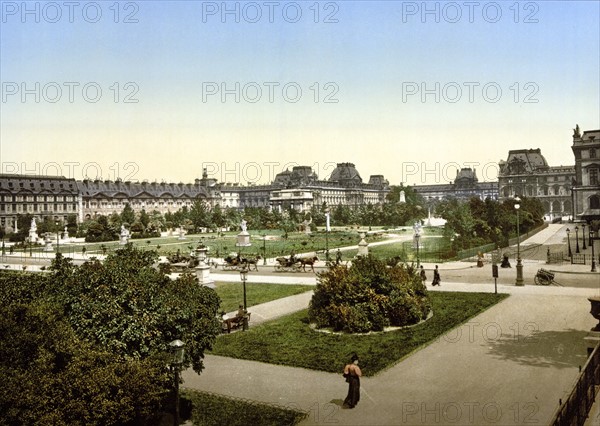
308, 261
252, 261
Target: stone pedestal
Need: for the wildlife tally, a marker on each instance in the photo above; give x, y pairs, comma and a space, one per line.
33, 236
363, 246
203, 270
123, 239
48, 244
243, 239
203, 274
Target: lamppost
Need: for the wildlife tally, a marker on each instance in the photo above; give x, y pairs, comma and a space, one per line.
569, 242
327, 234
57, 236
417, 237
178, 352
519, 280
591, 232
583, 235
264, 249
577, 239
592, 244
244, 277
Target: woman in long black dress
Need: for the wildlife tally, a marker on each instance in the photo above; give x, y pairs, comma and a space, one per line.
352, 374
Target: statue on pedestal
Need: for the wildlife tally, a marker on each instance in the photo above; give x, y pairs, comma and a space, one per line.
33, 236
124, 236
244, 225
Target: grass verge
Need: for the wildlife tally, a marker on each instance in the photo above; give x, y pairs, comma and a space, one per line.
290, 340
208, 409
232, 294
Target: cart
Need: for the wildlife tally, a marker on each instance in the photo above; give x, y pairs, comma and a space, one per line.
544, 277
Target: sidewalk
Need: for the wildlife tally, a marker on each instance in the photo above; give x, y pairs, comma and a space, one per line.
509, 365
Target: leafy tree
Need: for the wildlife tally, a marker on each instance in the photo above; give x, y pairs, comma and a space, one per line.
126, 306
200, 215
50, 376
368, 296
72, 225
127, 215
218, 217
144, 218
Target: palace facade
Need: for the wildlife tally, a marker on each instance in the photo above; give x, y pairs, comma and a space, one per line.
465, 185
525, 173
300, 188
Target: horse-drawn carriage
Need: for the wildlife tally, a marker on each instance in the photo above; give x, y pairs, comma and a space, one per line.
234, 261
295, 263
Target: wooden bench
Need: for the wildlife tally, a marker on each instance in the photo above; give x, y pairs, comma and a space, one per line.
233, 323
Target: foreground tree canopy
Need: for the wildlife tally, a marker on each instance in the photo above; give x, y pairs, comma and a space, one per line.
89, 344
368, 296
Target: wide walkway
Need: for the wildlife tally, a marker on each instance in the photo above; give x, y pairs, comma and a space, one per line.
509, 365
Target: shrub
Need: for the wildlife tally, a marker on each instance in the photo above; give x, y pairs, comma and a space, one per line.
368, 296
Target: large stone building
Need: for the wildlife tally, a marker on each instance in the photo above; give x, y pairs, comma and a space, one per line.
465, 185
301, 189
107, 197
57, 197
586, 184
526, 173
41, 196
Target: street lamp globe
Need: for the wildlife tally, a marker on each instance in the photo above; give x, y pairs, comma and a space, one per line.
177, 347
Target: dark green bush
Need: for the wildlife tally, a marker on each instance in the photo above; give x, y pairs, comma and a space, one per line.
368, 296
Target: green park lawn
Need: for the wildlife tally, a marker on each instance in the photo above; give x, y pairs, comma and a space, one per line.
232, 294
210, 409
222, 244
290, 340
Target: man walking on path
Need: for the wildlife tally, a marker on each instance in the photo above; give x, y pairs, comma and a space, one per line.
436, 277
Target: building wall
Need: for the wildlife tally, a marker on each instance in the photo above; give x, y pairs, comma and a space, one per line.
586, 185
41, 196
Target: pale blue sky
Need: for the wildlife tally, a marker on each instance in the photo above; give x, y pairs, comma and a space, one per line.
370, 57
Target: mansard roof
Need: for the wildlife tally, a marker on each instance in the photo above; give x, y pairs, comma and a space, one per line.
120, 189
38, 184
523, 161
345, 173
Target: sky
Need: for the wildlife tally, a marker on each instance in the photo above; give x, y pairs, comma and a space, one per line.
159, 90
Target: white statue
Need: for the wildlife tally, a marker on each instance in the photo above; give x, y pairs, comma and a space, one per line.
33, 227
417, 227
244, 225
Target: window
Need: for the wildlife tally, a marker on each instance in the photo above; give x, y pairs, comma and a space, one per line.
593, 176
592, 153
594, 202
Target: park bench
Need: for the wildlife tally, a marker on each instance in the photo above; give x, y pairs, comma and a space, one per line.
233, 323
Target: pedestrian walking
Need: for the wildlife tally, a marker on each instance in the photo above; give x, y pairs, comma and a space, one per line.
352, 374
422, 275
338, 257
436, 277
